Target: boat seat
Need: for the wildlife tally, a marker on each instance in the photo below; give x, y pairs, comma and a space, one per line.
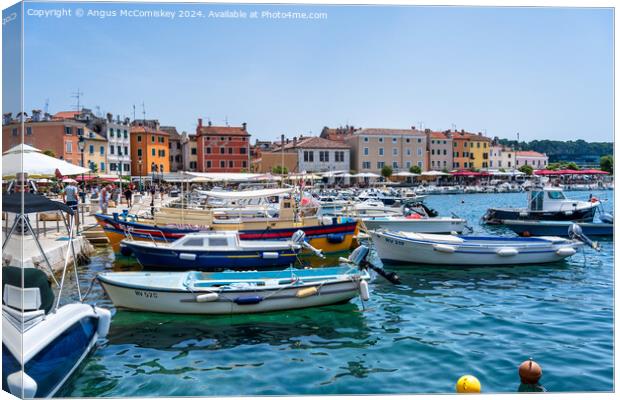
36, 290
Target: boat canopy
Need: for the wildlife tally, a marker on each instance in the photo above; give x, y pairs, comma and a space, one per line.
246, 194
32, 203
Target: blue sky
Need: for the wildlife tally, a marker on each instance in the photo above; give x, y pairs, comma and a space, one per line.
543, 72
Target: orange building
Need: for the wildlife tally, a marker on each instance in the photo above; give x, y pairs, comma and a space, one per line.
471, 150
461, 153
149, 150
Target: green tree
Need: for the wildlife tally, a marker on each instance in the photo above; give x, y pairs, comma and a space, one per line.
50, 153
607, 164
93, 167
415, 169
386, 171
526, 169
502, 170
278, 169
572, 165
553, 166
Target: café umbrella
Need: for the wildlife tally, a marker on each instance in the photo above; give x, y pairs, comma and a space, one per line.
27, 159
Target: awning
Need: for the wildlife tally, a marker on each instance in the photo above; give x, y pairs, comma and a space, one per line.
245, 194
27, 159
32, 203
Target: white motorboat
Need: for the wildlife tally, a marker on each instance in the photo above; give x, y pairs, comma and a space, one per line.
43, 343
238, 292
416, 218
418, 248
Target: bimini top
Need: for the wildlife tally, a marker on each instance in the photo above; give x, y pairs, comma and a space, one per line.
245, 194
32, 203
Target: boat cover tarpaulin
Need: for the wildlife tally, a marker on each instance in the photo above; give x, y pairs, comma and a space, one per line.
233, 176
247, 194
32, 203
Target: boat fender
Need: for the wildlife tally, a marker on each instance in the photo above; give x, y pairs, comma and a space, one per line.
335, 238
507, 252
414, 216
565, 251
103, 324
307, 292
207, 297
248, 300
187, 256
327, 221
21, 385
364, 291
523, 214
444, 248
270, 255
568, 212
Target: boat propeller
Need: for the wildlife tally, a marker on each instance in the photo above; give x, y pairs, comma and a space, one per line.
359, 257
299, 238
575, 232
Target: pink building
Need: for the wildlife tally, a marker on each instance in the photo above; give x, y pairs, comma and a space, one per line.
533, 158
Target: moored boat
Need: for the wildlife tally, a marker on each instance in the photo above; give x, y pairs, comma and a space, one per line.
238, 292
548, 203
213, 251
557, 228
417, 248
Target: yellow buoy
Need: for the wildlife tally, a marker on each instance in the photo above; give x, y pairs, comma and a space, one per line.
468, 384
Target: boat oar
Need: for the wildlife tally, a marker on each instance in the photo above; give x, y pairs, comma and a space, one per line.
575, 232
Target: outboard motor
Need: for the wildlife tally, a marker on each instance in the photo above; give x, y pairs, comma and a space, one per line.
299, 238
359, 257
575, 232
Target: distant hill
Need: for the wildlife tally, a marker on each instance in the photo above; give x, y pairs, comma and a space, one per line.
571, 150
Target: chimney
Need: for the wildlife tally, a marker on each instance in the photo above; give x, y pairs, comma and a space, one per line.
209, 122
36, 115
118, 119
294, 141
462, 130
413, 127
245, 126
6, 118
47, 117
200, 122
108, 116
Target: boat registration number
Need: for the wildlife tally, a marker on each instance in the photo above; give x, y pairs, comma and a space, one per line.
142, 293
394, 241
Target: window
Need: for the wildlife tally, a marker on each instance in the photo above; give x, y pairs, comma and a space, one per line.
308, 156
419, 151
242, 150
102, 167
111, 149
420, 164
445, 152
366, 139
161, 168
68, 130
394, 140
208, 164
120, 150
111, 132
193, 151
152, 138
126, 150
139, 138
69, 147
219, 242
222, 164
192, 164
91, 149
366, 165
244, 164
80, 132
394, 164
161, 139
29, 130
194, 242
456, 154
14, 131
324, 156
222, 150
408, 152
153, 152
407, 140
394, 151
380, 140
365, 151
408, 164
380, 151
478, 144
113, 167
231, 164
139, 152
208, 150
380, 164
125, 133
230, 150
419, 140
126, 167
433, 152
339, 156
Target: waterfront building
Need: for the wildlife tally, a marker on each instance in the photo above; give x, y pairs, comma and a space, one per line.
222, 148
44, 132
149, 148
189, 152
116, 131
269, 160
372, 148
479, 150
315, 154
337, 134
175, 151
95, 152
471, 150
439, 150
533, 158
501, 157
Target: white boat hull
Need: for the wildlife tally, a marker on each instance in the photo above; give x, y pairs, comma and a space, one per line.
184, 302
428, 225
397, 250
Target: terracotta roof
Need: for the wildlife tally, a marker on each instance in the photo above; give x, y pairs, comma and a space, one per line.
439, 135
146, 129
530, 154
469, 136
223, 130
313, 143
385, 131
66, 115
172, 131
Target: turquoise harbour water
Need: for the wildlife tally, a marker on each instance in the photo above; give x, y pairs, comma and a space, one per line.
417, 337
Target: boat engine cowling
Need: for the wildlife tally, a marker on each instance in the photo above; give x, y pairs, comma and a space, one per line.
299, 238
575, 232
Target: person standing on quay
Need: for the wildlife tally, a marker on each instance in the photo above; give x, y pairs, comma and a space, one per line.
70, 198
103, 199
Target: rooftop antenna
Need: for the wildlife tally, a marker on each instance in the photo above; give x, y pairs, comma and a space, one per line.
134, 112
226, 120
98, 111
453, 126
143, 113
77, 96
47, 106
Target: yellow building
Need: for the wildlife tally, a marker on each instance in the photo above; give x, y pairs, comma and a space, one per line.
479, 147
95, 152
